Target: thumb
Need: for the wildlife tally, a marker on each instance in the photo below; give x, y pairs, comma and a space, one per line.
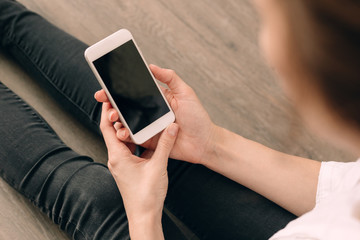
166, 142
170, 78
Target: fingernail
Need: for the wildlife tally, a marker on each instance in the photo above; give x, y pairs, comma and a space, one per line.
173, 129
111, 116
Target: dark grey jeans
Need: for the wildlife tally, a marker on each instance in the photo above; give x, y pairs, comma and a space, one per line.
74, 191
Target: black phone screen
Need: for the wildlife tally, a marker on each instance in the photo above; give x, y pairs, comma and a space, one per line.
131, 86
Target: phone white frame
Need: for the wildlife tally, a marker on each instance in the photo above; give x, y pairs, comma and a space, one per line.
107, 45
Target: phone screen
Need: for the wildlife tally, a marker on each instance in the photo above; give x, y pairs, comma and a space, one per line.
131, 86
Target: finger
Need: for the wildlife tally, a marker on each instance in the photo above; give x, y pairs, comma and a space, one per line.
118, 125
169, 97
123, 134
108, 131
166, 142
167, 93
169, 77
100, 96
113, 115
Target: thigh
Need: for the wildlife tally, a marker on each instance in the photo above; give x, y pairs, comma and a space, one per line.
53, 58
214, 207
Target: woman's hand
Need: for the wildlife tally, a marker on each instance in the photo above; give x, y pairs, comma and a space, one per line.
197, 131
142, 181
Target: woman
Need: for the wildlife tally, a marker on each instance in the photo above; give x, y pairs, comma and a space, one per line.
314, 47
81, 195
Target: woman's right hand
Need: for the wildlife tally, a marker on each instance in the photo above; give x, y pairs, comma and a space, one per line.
197, 131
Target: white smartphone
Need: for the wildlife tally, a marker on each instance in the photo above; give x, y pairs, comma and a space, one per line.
130, 86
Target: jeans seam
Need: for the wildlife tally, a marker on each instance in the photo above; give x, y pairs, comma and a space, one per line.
61, 190
22, 48
54, 169
75, 225
35, 114
190, 226
37, 163
39, 119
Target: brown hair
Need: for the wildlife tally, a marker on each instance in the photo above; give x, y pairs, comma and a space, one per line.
327, 38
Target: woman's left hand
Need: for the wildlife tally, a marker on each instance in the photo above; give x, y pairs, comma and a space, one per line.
142, 181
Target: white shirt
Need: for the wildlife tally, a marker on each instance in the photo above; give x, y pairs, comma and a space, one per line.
337, 211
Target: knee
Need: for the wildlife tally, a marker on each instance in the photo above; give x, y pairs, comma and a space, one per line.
93, 186
92, 203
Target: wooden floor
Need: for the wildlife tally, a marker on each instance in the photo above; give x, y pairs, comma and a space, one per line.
212, 44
